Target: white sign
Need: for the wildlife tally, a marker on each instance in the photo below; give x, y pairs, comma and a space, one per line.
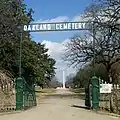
60, 26
105, 88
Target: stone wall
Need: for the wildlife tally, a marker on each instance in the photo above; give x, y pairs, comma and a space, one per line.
111, 102
7, 93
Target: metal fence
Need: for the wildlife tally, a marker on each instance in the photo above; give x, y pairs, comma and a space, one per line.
102, 95
25, 94
16, 95
29, 97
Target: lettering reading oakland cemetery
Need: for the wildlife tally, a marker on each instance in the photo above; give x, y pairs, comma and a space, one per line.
55, 26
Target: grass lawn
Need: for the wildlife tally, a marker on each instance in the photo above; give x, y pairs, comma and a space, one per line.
46, 90
78, 90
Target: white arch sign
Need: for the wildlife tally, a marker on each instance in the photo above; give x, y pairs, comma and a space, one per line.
58, 26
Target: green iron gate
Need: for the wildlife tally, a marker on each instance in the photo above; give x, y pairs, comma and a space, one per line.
25, 94
88, 95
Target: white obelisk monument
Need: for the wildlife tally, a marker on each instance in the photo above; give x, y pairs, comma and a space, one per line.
63, 79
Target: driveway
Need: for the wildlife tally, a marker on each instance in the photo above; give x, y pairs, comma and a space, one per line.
58, 108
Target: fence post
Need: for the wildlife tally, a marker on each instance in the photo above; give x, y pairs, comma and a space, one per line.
88, 96
35, 102
19, 93
95, 92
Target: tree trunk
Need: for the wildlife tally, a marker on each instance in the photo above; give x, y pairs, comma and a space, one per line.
108, 68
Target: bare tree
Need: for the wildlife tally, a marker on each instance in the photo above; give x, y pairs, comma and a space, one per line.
106, 16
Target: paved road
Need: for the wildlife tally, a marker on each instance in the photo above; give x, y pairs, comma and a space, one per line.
58, 108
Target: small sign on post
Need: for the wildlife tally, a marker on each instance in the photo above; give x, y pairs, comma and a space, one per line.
105, 88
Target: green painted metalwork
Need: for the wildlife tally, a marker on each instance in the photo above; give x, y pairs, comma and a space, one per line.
20, 51
25, 94
29, 96
95, 92
19, 93
19, 81
88, 96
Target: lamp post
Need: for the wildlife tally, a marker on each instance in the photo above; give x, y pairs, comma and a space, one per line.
20, 59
